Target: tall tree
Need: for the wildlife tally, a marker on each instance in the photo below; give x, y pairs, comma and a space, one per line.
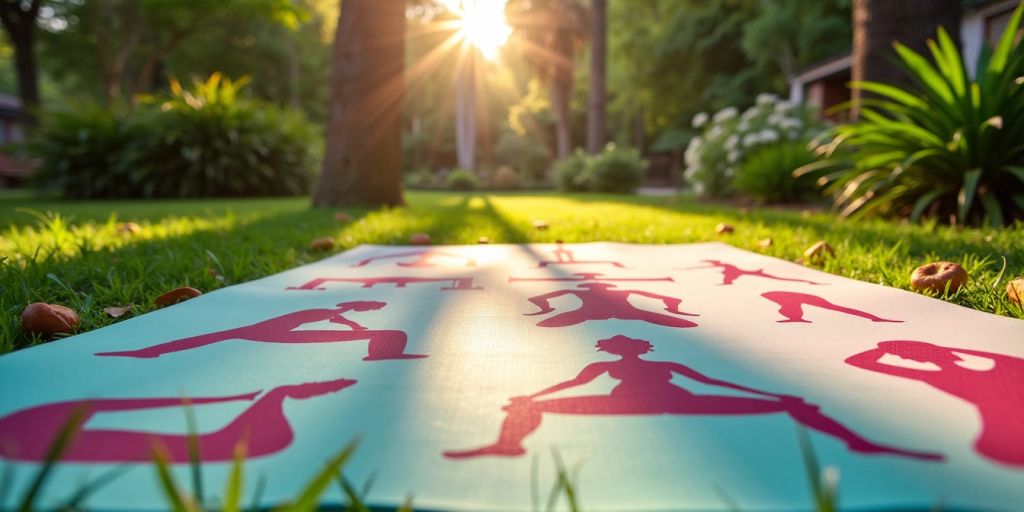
878, 23
554, 31
598, 94
363, 162
19, 21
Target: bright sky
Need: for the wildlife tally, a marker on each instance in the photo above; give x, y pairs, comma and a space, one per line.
482, 24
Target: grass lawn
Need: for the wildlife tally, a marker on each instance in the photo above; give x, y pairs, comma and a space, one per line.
72, 253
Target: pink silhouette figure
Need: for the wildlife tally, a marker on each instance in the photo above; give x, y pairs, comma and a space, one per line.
383, 344
422, 258
457, 283
997, 393
791, 306
646, 388
564, 256
589, 276
27, 435
600, 301
730, 273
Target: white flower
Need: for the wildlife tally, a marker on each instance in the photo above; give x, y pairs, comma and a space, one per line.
698, 187
768, 136
732, 141
733, 156
743, 126
715, 132
766, 99
783, 107
725, 114
749, 114
750, 139
700, 120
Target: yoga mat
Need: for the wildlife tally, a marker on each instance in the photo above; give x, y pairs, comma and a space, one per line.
670, 377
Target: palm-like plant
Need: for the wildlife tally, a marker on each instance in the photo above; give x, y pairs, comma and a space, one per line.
951, 147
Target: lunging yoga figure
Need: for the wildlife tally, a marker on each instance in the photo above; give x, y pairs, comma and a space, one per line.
28, 434
646, 388
997, 392
730, 273
602, 301
383, 344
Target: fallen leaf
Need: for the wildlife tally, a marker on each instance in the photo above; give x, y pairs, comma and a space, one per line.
724, 229
419, 239
129, 228
322, 244
767, 242
117, 311
816, 253
540, 225
176, 295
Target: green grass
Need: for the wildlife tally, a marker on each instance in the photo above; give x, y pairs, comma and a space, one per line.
71, 253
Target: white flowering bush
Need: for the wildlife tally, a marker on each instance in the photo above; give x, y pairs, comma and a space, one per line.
714, 156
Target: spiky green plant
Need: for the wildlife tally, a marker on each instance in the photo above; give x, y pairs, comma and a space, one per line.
949, 147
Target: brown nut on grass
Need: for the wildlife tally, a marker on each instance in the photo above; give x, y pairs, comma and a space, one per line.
322, 244
176, 295
47, 320
724, 229
419, 239
343, 217
936, 276
816, 253
540, 225
1015, 291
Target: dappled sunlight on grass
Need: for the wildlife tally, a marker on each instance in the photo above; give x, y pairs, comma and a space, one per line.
76, 255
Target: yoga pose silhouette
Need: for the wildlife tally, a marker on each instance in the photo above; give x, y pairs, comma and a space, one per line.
646, 388
601, 301
456, 283
581, 277
730, 273
383, 344
564, 256
791, 306
996, 392
421, 258
28, 434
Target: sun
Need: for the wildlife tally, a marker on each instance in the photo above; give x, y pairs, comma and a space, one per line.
482, 24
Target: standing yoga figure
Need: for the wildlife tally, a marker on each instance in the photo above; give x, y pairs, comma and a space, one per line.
996, 392
602, 301
28, 434
646, 388
383, 344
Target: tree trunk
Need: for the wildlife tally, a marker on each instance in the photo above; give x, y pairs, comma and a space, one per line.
363, 163
597, 97
28, 75
465, 115
879, 23
560, 94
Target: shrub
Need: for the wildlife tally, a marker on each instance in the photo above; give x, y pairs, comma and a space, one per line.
461, 179
618, 170
201, 142
571, 172
506, 178
421, 178
767, 173
713, 157
529, 157
949, 147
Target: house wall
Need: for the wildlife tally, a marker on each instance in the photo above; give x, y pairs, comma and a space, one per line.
981, 26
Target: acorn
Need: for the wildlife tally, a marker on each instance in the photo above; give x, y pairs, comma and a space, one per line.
1015, 291
176, 295
419, 239
540, 225
724, 229
322, 244
936, 276
48, 320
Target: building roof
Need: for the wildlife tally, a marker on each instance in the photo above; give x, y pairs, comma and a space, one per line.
835, 66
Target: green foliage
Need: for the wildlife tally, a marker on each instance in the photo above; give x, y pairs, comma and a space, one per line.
949, 147
572, 172
201, 142
767, 173
461, 179
714, 157
530, 157
616, 170
506, 178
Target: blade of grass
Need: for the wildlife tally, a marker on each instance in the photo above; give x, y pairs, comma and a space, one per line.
83, 493
355, 502
56, 450
194, 455
233, 489
175, 500
310, 496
